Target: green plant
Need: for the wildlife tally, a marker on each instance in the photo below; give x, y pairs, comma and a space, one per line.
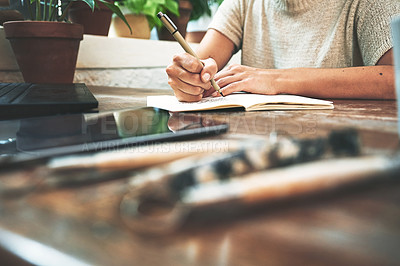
54, 10
150, 8
202, 7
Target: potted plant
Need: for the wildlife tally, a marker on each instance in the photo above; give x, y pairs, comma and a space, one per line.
202, 7
185, 8
46, 47
189, 10
140, 25
96, 22
200, 18
143, 14
180, 11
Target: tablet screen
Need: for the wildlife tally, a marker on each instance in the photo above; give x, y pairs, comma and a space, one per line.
64, 134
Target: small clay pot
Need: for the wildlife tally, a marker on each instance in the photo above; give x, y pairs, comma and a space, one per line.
46, 51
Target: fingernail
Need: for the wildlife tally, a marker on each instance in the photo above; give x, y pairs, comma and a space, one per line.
206, 77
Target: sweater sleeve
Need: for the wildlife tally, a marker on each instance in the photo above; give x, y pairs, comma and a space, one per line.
373, 28
229, 21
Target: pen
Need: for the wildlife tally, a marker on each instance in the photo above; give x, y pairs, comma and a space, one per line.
178, 37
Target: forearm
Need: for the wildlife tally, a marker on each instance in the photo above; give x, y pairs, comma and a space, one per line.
217, 46
372, 82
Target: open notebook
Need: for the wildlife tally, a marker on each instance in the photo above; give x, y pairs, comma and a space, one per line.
250, 102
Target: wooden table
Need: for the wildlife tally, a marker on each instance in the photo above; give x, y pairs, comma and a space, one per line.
357, 226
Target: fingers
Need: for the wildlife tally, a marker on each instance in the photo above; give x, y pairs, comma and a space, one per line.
187, 82
186, 68
229, 89
229, 71
189, 78
188, 62
209, 70
183, 96
234, 78
237, 78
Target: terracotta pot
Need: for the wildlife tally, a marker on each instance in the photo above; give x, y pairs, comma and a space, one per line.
4, 2
185, 9
95, 22
139, 24
46, 52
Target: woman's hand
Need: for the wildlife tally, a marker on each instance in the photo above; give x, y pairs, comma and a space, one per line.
189, 78
237, 78
364, 82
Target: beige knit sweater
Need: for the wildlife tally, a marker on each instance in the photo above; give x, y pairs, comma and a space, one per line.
308, 33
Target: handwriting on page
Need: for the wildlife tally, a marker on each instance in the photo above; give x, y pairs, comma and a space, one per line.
205, 100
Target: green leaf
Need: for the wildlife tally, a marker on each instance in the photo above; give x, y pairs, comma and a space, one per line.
150, 8
172, 6
115, 9
200, 7
90, 3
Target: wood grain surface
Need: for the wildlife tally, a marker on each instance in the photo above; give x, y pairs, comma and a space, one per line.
356, 226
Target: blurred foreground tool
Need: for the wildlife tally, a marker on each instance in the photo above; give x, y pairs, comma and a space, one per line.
150, 213
181, 186
80, 169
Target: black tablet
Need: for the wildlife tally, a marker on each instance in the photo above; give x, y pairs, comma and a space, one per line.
18, 100
42, 137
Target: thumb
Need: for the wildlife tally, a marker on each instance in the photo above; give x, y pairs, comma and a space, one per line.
209, 70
